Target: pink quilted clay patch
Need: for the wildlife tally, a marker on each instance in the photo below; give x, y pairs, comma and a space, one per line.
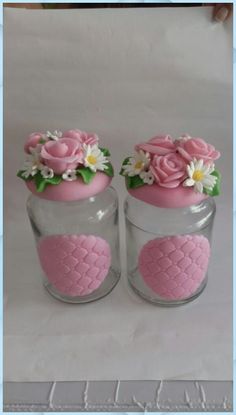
175, 266
76, 265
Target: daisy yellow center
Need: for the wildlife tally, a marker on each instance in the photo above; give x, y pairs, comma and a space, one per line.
138, 165
198, 175
91, 159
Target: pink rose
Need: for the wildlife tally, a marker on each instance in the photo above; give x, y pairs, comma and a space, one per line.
161, 145
82, 136
198, 148
32, 141
62, 154
169, 170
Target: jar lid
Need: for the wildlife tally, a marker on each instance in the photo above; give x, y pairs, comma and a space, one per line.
65, 166
172, 173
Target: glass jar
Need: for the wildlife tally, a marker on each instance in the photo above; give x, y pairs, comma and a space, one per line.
78, 245
168, 250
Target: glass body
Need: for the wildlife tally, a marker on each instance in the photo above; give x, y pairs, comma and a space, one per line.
78, 245
168, 250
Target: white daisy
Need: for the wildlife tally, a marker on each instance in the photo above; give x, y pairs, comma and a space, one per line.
54, 136
69, 175
94, 158
147, 177
47, 173
199, 176
33, 162
137, 164
29, 169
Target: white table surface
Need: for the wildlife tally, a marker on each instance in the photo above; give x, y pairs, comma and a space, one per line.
126, 74
119, 396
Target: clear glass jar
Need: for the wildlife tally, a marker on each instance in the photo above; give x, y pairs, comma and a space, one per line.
78, 245
168, 250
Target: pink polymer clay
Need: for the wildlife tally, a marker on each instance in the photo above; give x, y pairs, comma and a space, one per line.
74, 190
168, 198
75, 265
174, 266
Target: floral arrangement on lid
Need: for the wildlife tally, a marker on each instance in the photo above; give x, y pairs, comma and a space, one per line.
170, 164
53, 158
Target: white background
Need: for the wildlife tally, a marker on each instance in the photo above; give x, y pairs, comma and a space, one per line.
127, 75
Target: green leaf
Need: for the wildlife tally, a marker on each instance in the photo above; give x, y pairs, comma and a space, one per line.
216, 189
54, 180
40, 182
133, 182
126, 161
86, 173
42, 141
20, 174
105, 151
109, 170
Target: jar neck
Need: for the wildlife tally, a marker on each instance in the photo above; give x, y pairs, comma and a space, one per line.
159, 220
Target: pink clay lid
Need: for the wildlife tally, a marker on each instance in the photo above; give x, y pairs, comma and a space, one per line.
172, 173
65, 166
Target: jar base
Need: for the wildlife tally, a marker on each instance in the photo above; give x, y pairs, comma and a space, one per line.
105, 288
169, 303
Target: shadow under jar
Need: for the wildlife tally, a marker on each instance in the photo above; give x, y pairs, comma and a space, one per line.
168, 250
78, 245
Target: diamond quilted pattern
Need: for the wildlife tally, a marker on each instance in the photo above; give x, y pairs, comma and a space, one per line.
75, 264
175, 266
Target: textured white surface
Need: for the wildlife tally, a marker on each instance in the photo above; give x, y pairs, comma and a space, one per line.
115, 396
126, 74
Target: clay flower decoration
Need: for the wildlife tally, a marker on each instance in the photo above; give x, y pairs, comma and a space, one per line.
168, 163
55, 157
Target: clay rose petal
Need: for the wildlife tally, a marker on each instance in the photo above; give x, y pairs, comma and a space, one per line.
160, 145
